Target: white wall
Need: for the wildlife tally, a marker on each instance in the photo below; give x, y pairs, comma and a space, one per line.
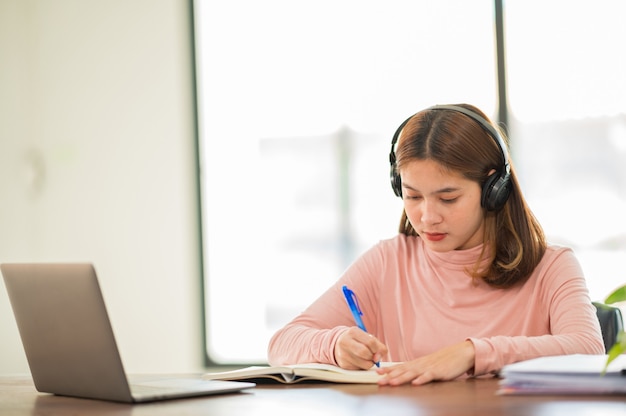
97, 164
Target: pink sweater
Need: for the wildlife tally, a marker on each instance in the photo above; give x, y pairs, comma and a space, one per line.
417, 301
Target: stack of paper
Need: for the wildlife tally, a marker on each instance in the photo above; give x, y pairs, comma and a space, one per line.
565, 374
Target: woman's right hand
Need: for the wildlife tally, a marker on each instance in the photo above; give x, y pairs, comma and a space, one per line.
355, 349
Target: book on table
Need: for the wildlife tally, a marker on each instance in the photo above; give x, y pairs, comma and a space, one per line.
565, 374
290, 374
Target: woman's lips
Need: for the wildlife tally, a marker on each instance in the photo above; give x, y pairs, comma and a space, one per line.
434, 236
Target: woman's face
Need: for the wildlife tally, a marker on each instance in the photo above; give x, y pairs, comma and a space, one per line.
442, 205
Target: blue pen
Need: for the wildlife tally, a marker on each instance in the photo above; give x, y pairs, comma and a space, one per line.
353, 303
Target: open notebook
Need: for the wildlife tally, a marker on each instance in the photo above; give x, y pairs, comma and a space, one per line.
69, 341
290, 374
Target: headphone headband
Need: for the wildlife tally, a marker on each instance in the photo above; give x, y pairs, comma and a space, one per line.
496, 189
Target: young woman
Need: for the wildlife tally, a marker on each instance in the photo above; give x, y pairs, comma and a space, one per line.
467, 286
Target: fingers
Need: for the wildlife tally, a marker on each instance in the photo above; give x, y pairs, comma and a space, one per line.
375, 347
446, 364
403, 374
356, 349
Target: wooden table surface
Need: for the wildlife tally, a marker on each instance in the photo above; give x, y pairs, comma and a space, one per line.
468, 397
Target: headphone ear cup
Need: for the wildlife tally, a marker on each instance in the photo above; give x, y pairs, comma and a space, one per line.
396, 181
495, 192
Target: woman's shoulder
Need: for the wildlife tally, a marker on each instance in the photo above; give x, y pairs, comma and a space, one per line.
399, 249
559, 264
555, 252
400, 242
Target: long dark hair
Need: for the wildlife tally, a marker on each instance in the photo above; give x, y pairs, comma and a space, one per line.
513, 238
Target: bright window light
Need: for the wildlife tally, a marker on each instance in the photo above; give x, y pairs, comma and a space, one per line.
298, 103
568, 101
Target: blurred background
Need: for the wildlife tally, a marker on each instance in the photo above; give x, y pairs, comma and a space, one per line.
222, 162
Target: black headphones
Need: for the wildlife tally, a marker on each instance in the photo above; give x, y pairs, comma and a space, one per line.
496, 188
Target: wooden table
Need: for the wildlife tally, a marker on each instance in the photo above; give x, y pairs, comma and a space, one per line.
472, 397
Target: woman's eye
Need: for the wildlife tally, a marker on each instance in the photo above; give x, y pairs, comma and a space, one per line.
448, 200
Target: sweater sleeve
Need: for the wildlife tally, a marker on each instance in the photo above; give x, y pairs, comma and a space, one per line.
311, 336
574, 327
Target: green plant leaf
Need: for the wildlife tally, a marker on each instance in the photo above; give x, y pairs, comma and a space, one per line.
616, 350
618, 295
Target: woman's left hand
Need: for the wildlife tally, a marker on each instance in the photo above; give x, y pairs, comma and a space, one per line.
445, 364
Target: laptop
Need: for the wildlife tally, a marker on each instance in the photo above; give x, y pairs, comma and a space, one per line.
69, 342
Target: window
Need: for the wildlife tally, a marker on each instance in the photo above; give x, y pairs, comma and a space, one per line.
298, 102
568, 125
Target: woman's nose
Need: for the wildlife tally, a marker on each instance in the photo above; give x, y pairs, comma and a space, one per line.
430, 213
